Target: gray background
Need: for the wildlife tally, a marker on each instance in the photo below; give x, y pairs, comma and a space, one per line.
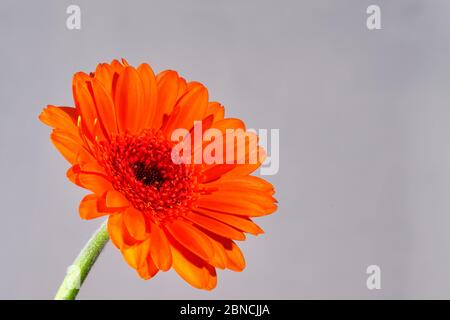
364, 118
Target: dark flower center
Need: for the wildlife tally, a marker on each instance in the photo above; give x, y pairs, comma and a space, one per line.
148, 175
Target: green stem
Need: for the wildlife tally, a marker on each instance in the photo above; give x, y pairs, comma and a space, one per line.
78, 271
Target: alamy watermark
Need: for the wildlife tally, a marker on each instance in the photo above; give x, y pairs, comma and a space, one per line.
373, 281
373, 21
73, 21
234, 146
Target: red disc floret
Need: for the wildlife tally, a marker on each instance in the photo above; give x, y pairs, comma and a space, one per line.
141, 168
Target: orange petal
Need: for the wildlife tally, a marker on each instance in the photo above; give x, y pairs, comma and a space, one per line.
148, 269
197, 148
191, 238
64, 118
212, 279
191, 107
219, 260
242, 223
242, 151
117, 66
192, 269
84, 102
129, 101
265, 200
91, 166
92, 181
134, 220
229, 123
235, 258
115, 225
242, 183
214, 172
160, 248
89, 209
66, 144
236, 261
247, 168
105, 108
115, 199
245, 207
241, 164
118, 232
167, 83
215, 226
216, 110
183, 86
104, 74
222, 126
136, 255
150, 93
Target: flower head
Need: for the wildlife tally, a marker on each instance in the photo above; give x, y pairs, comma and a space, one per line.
162, 212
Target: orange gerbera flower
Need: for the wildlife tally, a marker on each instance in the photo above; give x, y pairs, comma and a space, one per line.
161, 214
